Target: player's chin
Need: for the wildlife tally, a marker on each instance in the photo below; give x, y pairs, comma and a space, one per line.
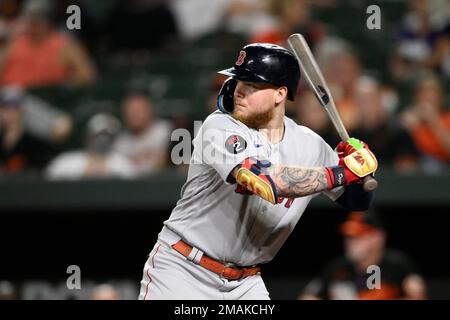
239, 113
239, 107
245, 119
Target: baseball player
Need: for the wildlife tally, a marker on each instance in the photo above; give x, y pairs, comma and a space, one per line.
252, 173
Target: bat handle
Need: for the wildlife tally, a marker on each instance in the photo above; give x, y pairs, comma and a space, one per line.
370, 183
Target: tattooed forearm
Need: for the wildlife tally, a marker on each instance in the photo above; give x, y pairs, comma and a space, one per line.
298, 182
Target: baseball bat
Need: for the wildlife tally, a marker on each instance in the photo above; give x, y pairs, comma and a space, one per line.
313, 76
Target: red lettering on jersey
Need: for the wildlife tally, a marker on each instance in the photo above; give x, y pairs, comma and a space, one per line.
240, 59
289, 202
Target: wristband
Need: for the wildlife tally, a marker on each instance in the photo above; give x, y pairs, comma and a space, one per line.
335, 176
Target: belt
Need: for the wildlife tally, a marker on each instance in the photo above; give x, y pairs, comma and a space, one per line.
223, 270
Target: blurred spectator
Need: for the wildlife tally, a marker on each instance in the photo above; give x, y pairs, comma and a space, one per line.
7, 291
380, 129
428, 121
341, 68
98, 160
347, 277
308, 112
40, 119
19, 150
37, 54
141, 24
146, 139
423, 41
45, 121
291, 16
9, 10
105, 292
248, 17
196, 18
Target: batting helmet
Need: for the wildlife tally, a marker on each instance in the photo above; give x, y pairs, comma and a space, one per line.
262, 62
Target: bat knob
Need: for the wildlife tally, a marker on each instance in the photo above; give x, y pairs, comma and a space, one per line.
370, 184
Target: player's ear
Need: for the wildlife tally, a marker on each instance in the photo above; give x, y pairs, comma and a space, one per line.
280, 94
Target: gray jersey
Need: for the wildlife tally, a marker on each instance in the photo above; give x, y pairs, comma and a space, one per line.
230, 226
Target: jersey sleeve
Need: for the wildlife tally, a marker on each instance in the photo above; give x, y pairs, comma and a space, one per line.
223, 143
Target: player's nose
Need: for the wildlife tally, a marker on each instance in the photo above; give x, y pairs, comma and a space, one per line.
239, 92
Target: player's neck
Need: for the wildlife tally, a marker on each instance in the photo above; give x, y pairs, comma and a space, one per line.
274, 129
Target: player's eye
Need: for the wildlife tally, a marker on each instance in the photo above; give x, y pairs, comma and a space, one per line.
252, 85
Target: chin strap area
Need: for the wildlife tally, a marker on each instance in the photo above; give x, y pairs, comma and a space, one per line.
225, 101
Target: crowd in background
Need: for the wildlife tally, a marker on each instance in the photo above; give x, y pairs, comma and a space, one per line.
401, 110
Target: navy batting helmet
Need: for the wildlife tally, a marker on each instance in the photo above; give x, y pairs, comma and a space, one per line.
261, 62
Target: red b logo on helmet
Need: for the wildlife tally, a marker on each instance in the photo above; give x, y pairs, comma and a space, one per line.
240, 59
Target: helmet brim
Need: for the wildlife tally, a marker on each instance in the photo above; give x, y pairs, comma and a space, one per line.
231, 72
243, 75
250, 77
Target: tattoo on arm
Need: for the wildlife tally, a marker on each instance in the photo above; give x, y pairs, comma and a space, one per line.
298, 182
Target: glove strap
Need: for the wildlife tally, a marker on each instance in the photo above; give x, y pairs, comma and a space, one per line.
335, 176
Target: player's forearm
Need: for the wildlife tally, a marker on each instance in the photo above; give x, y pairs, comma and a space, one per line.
294, 182
272, 182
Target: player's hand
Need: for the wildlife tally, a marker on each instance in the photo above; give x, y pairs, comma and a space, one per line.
346, 148
357, 157
346, 174
242, 190
350, 177
355, 162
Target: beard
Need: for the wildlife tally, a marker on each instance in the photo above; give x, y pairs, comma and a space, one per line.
254, 120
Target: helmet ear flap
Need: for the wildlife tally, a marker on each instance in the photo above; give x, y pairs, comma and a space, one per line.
225, 101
